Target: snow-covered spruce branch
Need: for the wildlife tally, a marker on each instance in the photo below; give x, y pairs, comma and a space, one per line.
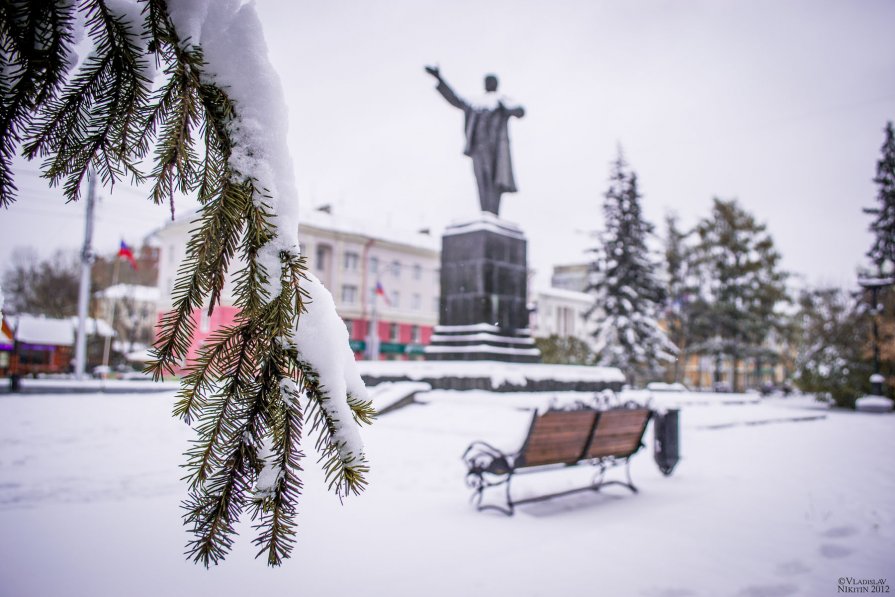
213, 120
35, 41
345, 470
93, 122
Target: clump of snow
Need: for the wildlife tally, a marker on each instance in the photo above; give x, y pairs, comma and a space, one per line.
131, 14
131, 291
490, 100
874, 404
260, 151
322, 340
271, 472
485, 221
291, 393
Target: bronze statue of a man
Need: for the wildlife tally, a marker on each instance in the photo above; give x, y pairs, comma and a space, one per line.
487, 138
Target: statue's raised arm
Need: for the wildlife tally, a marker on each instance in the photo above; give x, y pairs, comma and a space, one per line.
445, 90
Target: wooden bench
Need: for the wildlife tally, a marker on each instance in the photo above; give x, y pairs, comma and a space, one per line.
602, 439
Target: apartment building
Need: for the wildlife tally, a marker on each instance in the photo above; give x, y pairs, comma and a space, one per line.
384, 281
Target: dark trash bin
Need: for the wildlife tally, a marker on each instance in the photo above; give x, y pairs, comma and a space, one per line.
666, 440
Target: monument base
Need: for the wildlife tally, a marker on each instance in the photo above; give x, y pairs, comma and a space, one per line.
483, 311
492, 376
481, 342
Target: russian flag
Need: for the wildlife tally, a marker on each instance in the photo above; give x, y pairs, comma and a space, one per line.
380, 291
126, 252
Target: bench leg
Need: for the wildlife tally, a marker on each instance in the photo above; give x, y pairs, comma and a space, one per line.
480, 487
599, 481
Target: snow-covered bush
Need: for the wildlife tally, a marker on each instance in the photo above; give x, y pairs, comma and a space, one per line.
833, 348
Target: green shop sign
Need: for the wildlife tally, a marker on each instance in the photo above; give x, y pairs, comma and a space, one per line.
388, 347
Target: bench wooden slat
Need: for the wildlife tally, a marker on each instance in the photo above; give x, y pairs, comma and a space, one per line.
618, 433
557, 437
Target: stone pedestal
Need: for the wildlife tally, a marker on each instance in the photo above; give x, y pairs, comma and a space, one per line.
483, 311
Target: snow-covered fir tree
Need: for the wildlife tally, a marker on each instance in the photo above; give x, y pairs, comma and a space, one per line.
883, 226
628, 294
678, 288
740, 284
187, 86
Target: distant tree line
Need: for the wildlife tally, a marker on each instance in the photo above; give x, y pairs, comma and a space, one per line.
48, 286
718, 290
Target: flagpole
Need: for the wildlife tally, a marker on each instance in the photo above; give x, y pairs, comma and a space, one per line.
373, 336
108, 343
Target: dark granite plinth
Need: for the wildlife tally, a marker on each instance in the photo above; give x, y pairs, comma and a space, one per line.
484, 288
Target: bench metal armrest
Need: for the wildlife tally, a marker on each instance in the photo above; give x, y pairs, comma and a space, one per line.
482, 458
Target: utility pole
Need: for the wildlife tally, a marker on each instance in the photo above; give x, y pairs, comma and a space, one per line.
373, 335
84, 289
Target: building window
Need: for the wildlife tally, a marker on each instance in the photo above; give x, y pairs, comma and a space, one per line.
396, 268
415, 336
322, 257
349, 324
395, 299
351, 260
374, 265
394, 331
417, 271
416, 301
349, 293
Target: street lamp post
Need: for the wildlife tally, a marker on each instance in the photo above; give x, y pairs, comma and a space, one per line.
876, 380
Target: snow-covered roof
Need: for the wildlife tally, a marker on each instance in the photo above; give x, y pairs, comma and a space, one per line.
345, 225
95, 327
148, 294
140, 356
376, 230
43, 330
369, 229
33, 329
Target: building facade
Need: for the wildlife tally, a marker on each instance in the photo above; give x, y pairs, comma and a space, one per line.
384, 282
561, 312
572, 276
131, 310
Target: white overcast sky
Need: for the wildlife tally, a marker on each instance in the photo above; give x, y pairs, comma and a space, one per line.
780, 104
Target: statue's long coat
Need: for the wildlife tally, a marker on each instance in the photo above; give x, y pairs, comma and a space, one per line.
487, 138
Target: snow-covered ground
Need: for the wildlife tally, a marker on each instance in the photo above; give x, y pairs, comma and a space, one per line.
773, 498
